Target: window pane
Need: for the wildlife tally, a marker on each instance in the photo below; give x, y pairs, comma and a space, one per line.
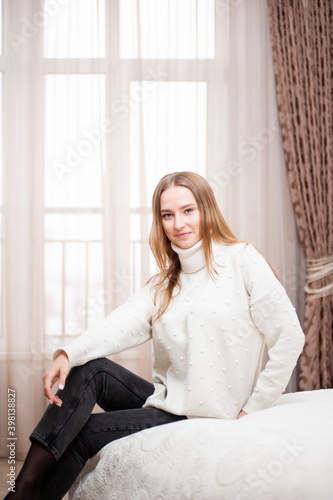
53, 291
74, 29
140, 251
169, 29
85, 297
135, 266
0, 26
75, 287
99, 297
74, 149
73, 227
74, 293
169, 122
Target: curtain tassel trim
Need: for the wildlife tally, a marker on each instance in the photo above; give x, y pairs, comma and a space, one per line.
317, 269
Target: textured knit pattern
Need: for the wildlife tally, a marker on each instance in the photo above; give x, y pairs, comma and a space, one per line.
208, 346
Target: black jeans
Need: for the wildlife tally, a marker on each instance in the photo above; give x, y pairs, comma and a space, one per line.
73, 435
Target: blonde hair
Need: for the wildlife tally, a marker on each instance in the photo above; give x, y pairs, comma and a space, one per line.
212, 227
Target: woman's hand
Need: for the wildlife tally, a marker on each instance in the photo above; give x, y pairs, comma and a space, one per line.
57, 371
241, 414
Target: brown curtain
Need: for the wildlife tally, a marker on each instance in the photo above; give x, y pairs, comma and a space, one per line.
302, 43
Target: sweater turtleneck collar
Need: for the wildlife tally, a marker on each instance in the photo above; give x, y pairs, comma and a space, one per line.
191, 259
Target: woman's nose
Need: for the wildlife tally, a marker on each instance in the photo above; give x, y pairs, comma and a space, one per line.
179, 221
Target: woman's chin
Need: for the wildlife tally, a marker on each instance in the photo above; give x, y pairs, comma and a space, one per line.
186, 242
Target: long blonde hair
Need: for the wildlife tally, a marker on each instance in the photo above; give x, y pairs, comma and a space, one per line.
212, 227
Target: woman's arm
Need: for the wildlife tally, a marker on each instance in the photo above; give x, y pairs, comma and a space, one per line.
127, 326
275, 317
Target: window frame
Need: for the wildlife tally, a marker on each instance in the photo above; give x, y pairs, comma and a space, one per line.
116, 210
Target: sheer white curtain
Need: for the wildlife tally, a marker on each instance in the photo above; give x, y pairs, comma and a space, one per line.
102, 98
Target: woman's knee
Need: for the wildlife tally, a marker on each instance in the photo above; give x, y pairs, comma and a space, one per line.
91, 367
100, 372
111, 380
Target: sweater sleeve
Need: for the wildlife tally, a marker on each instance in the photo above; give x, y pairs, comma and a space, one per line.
275, 317
127, 326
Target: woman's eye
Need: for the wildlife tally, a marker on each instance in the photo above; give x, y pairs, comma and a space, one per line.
188, 210
166, 216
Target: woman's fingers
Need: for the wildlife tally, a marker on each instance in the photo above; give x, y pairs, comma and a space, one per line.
241, 414
64, 369
48, 380
57, 401
57, 371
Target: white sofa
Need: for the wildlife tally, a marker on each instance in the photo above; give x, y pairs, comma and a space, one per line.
282, 453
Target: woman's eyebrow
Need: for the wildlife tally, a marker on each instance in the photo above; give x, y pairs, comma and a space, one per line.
181, 208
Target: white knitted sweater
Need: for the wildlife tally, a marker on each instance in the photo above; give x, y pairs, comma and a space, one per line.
209, 344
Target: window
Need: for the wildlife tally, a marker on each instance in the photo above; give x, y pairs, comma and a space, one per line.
157, 29
74, 161
108, 120
83, 22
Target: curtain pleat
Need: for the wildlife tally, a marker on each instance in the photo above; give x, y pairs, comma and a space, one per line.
302, 42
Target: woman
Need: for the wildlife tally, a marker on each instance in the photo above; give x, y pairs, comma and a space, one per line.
214, 305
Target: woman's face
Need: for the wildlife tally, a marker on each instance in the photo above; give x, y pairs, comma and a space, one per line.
180, 216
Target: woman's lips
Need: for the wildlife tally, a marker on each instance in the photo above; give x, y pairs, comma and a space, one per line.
182, 235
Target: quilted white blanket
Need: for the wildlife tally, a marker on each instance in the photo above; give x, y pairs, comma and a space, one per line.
284, 452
